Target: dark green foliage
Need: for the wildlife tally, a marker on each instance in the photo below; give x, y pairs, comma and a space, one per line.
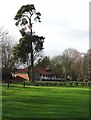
29, 44
21, 17
23, 9
24, 47
44, 62
6, 74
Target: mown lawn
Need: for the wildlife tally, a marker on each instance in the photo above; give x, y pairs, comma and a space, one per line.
45, 102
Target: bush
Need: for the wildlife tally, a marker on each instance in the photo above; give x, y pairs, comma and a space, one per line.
76, 84
70, 84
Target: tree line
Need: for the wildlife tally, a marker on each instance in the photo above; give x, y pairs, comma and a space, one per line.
71, 64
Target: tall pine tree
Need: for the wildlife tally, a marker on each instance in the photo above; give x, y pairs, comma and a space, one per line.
29, 44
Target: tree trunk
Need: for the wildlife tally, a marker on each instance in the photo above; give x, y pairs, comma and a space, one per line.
29, 75
32, 63
32, 57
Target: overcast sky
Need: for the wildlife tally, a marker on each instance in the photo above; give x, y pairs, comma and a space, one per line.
65, 23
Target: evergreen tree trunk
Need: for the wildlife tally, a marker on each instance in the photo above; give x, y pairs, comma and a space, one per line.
32, 63
29, 75
32, 57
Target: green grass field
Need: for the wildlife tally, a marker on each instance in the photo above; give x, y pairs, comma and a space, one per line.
45, 102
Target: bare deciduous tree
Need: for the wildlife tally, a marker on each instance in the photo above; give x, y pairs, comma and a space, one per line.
7, 44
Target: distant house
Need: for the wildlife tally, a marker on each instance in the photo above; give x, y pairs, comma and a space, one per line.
40, 73
46, 74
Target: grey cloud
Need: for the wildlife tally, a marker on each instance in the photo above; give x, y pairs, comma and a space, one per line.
75, 34
79, 34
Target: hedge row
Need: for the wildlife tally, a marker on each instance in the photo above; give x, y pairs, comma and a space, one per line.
47, 83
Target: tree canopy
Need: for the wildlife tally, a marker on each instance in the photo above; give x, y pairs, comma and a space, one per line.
30, 44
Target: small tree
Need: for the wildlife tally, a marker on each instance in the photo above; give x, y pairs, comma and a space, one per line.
29, 44
44, 62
